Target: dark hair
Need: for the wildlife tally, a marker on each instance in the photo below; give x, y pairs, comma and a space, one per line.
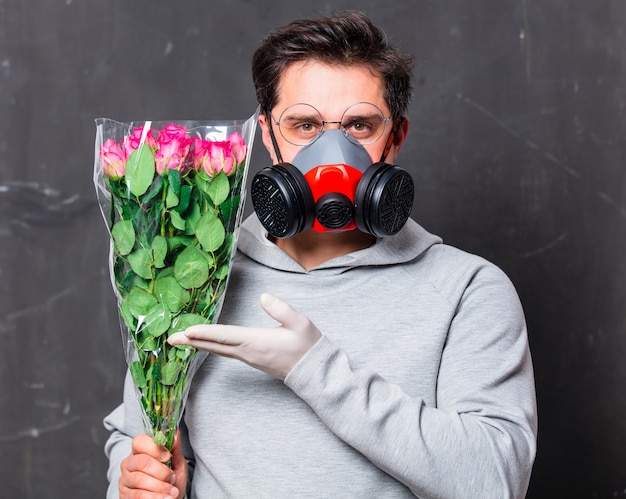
349, 38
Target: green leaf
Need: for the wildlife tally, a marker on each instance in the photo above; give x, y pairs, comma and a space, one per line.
171, 199
229, 210
170, 372
123, 235
177, 221
172, 294
138, 282
141, 263
210, 311
155, 189
210, 232
176, 242
130, 210
191, 268
159, 251
147, 343
192, 218
219, 188
127, 316
154, 373
159, 438
208, 301
123, 277
185, 197
209, 258
221, 272
184, 321
224, 254
166, 272
158, 320
183, 351
203, 181
137, 374
173, 177
139, 302
117, 186
171, 353
140, 170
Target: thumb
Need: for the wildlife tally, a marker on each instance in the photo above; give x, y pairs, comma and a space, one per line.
179, 466
280, 310
177, 454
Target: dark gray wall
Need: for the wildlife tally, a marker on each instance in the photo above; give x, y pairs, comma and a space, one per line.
517, 147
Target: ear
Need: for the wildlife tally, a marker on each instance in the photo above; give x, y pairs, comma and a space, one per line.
265, 136
401, 133
400, 137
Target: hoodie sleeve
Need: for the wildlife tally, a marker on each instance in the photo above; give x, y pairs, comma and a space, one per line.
124, 423
479, 439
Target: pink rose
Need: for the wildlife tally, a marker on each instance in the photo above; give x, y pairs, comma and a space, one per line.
113, 159
133, 141
172, 151
200, 152
220, 159
237, 146
174, 131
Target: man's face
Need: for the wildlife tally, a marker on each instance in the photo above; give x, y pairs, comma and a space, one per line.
331, 90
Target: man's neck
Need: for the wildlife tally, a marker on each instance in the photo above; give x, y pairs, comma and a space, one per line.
312, 248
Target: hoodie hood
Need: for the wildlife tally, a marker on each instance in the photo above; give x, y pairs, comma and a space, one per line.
407, 245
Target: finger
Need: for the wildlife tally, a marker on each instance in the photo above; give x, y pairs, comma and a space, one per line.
143, 472
137, 483
148, 457
194, 335
214, 333
282, 312
217, 339
179, 338
144, 469
144, 444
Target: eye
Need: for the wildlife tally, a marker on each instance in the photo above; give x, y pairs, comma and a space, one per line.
302, 127
359, 128
364, 122
308, 127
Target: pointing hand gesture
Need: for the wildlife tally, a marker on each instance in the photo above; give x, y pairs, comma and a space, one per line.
273, 350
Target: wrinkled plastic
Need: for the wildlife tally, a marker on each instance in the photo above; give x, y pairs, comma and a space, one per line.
173, 203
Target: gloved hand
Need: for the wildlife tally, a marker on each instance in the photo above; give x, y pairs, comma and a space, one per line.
272, 350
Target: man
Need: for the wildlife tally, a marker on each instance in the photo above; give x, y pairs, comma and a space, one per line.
400, 366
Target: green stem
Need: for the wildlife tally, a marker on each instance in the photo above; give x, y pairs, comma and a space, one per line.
112, 213
149, 388
176, 396
163, 198
195, 298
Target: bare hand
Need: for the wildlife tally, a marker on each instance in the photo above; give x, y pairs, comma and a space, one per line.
272, 350
146, 475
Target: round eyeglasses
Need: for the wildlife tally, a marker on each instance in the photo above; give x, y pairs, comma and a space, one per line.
362, 123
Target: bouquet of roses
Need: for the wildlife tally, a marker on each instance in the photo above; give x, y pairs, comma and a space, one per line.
172, 196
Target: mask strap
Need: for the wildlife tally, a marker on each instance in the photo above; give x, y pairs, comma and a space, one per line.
392, 137
279, 156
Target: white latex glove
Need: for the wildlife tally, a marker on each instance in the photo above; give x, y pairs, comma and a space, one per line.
272, 350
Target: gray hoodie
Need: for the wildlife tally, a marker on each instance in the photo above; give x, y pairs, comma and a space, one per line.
422, 384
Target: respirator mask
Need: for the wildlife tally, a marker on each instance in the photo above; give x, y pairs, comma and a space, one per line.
331, 184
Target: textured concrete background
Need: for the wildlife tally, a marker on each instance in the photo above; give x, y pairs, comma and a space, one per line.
517, 148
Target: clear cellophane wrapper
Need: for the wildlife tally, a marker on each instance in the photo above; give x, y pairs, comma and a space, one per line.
172, 196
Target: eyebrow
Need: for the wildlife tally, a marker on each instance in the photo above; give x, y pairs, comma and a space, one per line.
362, 116
301, 117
